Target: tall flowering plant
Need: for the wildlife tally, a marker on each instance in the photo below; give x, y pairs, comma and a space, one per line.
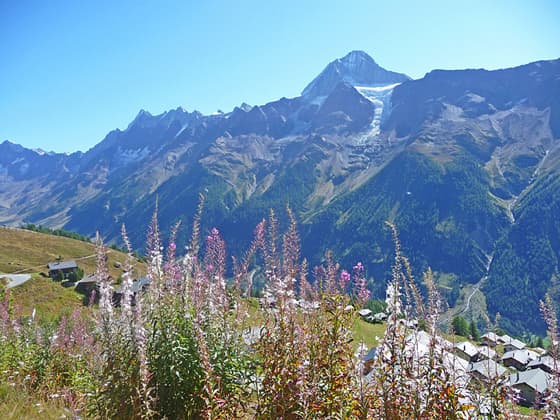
552, 399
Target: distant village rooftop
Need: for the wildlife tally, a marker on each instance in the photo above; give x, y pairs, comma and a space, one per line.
546, 363
62, 265
486, 369
512, 343
490, 339
531, 384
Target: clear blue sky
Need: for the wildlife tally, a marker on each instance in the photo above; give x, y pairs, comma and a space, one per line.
71, 71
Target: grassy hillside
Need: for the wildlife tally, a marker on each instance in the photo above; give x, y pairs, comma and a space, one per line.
49, 298
24, 251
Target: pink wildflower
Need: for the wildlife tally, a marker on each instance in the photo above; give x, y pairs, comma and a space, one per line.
344, 279
359, 267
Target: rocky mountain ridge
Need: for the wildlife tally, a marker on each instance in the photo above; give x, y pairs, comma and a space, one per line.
459, 160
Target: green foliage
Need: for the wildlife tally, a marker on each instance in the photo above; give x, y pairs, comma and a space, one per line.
178, 377
473, 331
45, 361
56, 232
460, 326
376, 305
445, 214
526, 263
76, 275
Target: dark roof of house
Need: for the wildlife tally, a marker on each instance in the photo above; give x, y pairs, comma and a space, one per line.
537, 379
62, 265
90, 278
487, 368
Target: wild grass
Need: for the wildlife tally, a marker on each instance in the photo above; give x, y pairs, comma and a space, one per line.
18, 405
24, 251
368, 334
48, 298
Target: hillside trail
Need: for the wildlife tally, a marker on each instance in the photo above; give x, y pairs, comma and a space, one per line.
479, 284
43, 265
453, 312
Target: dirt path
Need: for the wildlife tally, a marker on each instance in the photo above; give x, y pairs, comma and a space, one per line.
43, 265
476, 289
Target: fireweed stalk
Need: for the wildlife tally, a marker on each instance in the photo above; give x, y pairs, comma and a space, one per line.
552, 400
306, 361
410, 378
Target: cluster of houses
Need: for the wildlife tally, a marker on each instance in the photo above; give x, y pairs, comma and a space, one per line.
497, 358
369, 316
88, 283
528, 371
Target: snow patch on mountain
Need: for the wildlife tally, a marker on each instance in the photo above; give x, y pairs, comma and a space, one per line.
380, 96
183, 128
128, 156
318, 100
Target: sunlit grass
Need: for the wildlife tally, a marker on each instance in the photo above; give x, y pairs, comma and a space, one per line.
369, 334
24, 251
18, 405
49, 299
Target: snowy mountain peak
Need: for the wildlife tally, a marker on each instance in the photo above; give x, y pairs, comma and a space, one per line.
356, 58
356, 69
